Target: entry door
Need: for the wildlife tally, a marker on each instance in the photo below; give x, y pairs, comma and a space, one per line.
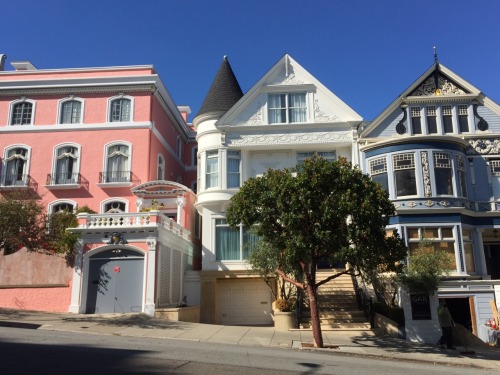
115, 283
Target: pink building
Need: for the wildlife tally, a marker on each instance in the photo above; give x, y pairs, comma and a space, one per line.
112, 139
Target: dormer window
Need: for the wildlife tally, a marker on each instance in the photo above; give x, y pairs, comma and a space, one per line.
287, 108
463, 118
447, 119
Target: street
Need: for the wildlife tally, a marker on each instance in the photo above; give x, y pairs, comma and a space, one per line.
28, 351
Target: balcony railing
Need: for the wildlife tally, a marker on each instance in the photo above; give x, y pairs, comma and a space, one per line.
63, 179
132, 220
110, 177
20, 181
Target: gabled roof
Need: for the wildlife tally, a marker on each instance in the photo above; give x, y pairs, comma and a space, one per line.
224, 92
438, 83
289, 73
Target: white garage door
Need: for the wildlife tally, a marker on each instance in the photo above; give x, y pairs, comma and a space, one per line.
244, 302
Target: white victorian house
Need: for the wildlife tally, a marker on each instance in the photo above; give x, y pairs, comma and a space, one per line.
284, 118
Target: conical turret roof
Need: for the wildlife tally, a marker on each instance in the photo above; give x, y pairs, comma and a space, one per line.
224, 92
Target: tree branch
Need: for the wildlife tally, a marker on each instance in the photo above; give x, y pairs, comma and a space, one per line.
346, 272
290, 280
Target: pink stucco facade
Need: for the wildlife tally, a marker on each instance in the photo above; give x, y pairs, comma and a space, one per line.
148, 125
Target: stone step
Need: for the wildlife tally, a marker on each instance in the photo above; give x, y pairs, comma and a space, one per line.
340, 327
336, 314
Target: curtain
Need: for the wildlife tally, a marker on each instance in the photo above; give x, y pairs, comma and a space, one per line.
233, 171
297, 106
227, 242
277, 108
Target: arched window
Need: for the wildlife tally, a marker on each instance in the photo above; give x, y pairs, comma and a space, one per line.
16, 161
22, 112
114, 207
120, 110
62, 206
66, 165
161, 168
117, 163
71, 112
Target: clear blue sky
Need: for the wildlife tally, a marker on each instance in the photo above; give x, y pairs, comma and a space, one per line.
365, 51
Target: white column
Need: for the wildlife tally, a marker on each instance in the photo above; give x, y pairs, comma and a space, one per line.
149, 292
76, 287
181, 202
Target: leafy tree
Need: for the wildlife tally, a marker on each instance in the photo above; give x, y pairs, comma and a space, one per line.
25, 223
426, 266
22, 223
318, 210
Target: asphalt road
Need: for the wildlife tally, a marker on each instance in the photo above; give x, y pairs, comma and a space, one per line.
29, 351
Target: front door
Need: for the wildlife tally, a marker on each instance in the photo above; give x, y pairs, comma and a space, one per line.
492, 258
115, 282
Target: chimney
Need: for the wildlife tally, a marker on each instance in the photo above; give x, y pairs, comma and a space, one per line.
3, 57
22, 65
185, 110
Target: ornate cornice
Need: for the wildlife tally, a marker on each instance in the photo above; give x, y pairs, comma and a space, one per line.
31, 91
445, 87
259, 139
320, 116
484, 146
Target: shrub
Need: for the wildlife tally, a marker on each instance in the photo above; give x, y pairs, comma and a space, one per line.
392, 312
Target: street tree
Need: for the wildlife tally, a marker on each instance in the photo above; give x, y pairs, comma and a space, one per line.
318, 210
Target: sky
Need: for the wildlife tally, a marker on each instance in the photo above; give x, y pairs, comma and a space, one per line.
367, 52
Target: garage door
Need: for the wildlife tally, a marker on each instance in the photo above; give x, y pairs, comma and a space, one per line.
244, 302
115, 282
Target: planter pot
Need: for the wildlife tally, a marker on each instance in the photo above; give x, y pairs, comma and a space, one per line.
284, 321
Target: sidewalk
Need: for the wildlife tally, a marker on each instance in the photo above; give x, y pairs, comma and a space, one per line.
360, 343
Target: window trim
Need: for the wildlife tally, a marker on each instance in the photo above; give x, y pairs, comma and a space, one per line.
60, 110
103, 204
287, 107
107, 146
209, 154
110, 104
76, 167
53, 204
19, 101
228, 173
26, 169
241, 239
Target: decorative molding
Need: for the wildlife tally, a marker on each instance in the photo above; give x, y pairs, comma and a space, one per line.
426, 174
77, 90
239, 139
117, 239
429, 203
482, 124
460, 250
411, 204
151, 244
444, 203
445, 87
255, 119
400, 127
283, 79
320, 116
484, 146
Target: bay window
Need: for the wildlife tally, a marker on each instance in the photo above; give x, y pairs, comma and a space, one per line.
233, 244
462, 180
436, 239
212, 169
404, 174
443, 173
378, 172
416, 124
233, 169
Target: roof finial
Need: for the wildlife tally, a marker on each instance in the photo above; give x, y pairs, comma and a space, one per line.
225, 57
435, 55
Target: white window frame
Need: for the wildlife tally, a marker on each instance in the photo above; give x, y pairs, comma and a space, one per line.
52, 205
112, 200
212, 154
118, 97
76, 165
19, 101
442, 155
26, 167
415, 169
287, 107
60, 110
106, 159
234, 155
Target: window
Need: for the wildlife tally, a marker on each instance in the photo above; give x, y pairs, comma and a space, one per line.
378, 172
431, 120
287, 108
212, 169
463, 118
404, 175
178, 150
233, 169
161, 168
16, 167
443, 173
115, 207
228, 241
120, 110
66, 166
328, 155
71, 112
416, 125
117, 164
439, 238
447, 119
470, 265
22, 113
462, 181
64, 206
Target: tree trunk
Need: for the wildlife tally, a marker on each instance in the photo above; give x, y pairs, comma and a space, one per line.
315, 322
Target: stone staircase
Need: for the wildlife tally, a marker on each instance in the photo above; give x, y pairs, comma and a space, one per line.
338, 305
